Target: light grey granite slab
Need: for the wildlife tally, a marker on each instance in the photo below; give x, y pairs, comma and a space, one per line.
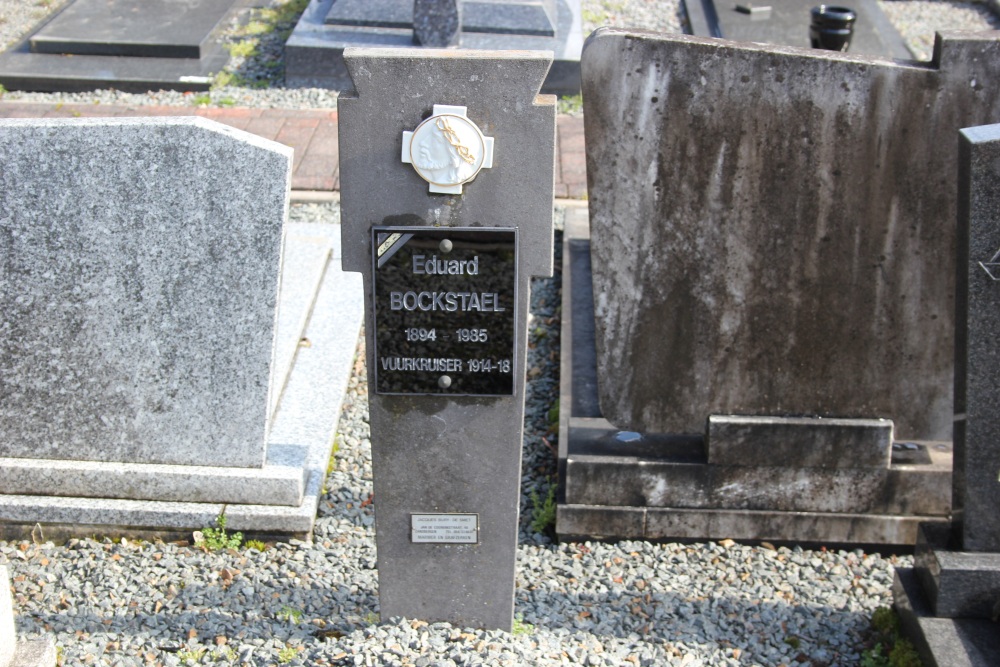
7, 636
137, 311
300, 440
280, 482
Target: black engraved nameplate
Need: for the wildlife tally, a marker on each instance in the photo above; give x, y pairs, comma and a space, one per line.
445, 308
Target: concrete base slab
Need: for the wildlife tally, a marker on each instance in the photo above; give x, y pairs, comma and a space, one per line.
320, 314
314, 51
576, 522
139, 67
799, 442
943, 642
617, 483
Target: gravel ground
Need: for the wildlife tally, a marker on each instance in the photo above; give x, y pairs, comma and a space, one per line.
631, 603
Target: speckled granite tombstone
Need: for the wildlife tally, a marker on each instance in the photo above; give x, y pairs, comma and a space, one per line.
447, 405
950, 602
153, 305
137, 305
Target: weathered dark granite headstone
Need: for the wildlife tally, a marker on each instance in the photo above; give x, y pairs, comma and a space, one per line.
784, 250
950, 601
447, 239
135, 45
437, 23
766, 243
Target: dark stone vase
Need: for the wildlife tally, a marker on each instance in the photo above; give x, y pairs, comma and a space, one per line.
831, 27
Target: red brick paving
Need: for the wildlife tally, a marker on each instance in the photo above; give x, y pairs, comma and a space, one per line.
312, 133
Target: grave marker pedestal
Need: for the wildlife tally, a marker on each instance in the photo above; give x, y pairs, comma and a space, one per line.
447, 253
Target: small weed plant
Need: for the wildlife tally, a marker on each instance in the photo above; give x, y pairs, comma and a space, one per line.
192, 656
570, 104
521, 628
290, 614
543, 513
226, 654
287, 654
553, 417
890, 648
217, 539
255, 544
371, 618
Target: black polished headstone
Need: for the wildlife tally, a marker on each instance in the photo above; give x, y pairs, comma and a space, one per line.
150, 28
787, 22
314, 52
490, 16
371, 13
128, 45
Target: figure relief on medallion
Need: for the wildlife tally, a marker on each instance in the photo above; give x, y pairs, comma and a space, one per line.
447, 149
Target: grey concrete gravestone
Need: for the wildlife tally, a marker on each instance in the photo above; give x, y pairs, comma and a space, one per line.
772, 228
772, 257
445, 450
950, 601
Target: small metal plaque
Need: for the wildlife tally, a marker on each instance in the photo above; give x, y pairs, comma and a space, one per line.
445, 310
444, 528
